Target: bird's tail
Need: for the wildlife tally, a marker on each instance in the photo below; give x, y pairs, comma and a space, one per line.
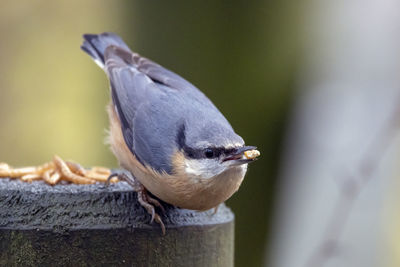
95, 45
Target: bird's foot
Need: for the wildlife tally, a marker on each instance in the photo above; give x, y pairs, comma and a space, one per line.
55, 171
144, 198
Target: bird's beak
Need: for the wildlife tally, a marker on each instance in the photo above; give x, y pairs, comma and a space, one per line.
242, 155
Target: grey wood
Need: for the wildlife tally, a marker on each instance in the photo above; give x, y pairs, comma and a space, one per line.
96, 225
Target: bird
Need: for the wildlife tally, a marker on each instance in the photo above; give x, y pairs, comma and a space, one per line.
170, 139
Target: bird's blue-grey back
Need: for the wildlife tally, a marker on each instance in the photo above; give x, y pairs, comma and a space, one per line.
154, 105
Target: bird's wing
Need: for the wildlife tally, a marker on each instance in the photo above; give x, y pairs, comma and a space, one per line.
160, 74
133, 92
153, 70
128, 88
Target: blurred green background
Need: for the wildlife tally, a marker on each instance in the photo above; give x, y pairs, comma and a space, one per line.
242, 54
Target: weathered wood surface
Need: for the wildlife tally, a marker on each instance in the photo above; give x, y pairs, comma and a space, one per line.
95, 225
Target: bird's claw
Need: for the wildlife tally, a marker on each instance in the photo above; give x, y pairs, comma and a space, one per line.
145, 200
156, 203
110, 177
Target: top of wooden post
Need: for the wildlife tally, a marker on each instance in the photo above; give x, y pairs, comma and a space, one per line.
37, 205
99, 225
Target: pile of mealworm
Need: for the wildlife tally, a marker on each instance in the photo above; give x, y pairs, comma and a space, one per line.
56, 171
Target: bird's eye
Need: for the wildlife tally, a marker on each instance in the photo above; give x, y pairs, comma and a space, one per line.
209, 153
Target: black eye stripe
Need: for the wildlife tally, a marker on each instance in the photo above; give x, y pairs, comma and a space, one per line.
195, 153
207, 153
217, 152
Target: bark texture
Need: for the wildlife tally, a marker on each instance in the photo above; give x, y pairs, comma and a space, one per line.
95, 225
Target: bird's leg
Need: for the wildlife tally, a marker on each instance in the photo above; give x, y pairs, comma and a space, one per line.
154, 201
144, 198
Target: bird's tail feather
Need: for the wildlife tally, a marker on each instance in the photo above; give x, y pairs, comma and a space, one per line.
95, 45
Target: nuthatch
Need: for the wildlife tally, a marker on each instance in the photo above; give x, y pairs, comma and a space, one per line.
166, 133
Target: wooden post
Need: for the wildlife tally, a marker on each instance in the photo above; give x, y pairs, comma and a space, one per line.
95, 225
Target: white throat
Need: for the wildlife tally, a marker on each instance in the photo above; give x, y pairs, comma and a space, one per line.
207, 168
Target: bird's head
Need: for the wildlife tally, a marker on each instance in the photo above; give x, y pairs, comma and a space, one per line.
214, 150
